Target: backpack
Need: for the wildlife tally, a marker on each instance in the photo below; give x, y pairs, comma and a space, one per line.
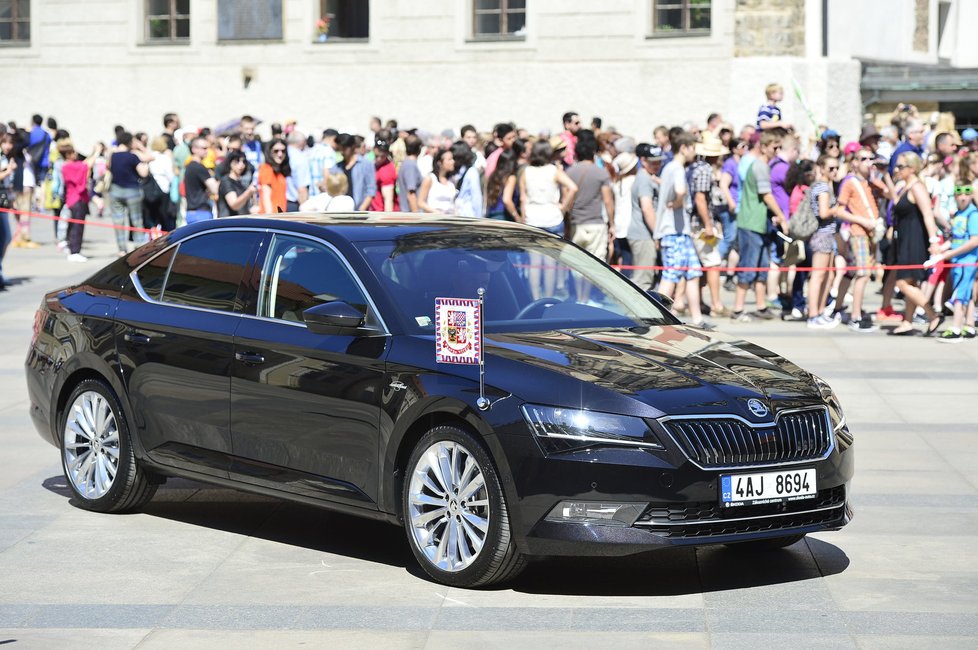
803, 223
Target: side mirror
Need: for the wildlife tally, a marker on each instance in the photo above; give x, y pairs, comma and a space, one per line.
665, 300
335, 317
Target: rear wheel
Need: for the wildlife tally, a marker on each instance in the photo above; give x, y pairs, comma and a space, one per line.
96, 452
771, 544
455, 512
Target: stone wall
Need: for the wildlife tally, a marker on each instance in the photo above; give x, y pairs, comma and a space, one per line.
769, 28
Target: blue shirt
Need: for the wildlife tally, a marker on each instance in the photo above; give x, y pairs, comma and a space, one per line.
768, 113
38, 135
299, 177
469, 200
964, 226
363, 180
252, 152
903, 147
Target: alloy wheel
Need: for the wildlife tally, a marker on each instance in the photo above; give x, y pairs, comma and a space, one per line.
448, 506
91, 445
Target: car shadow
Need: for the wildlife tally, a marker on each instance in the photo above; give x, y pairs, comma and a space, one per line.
667, 572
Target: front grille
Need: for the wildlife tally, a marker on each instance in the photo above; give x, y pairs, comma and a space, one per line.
796, 436
706, 519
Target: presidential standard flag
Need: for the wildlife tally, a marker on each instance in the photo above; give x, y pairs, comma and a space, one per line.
458, 331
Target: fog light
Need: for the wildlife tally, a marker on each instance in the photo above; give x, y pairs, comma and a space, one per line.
593, 512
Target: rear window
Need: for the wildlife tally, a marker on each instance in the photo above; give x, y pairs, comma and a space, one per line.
207, 270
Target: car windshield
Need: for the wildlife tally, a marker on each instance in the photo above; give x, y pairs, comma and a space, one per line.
533, 281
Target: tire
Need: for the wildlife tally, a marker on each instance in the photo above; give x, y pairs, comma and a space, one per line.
96, 452
771, 544
461, 536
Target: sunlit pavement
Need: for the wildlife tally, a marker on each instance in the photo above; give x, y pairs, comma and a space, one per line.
206, 567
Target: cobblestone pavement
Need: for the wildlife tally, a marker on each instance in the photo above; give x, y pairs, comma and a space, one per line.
203, 567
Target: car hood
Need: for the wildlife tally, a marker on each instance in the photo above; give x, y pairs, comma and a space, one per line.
673, 369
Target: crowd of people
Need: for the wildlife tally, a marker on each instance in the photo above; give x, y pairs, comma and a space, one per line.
799, 227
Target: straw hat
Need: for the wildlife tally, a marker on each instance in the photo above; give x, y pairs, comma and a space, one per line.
711, 147
625, 162
557, 143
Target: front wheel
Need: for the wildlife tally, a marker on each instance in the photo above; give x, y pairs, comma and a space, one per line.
455, 512
96, 453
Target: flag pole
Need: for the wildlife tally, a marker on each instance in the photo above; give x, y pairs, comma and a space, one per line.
482, 402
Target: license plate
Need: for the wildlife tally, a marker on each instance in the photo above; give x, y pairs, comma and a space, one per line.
767, 487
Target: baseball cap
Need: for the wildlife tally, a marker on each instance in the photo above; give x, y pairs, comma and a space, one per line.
851, 148
829, 134
969, 134
648, 151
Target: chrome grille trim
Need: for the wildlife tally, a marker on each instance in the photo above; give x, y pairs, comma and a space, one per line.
730, 442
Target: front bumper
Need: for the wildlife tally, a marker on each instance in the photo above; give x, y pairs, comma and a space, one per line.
681, 502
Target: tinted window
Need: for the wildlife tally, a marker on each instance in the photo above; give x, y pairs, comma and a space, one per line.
207, 270
299, 274
153, 274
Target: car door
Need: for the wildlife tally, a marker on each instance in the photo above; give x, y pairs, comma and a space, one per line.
305, 407
174, 338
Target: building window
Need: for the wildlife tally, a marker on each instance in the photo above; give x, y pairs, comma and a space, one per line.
249, 20
343, 19
498, 19
15, 21
167, 21
680, 17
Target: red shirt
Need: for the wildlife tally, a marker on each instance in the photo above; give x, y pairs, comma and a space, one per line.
386, 177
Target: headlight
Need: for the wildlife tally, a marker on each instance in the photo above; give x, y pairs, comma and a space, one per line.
836, 415
560, 429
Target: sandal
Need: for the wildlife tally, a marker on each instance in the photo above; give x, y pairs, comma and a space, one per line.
933, 328
907, 332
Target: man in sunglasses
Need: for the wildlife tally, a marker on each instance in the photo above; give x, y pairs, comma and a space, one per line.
963, 250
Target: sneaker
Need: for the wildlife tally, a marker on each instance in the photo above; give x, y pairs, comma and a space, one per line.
830, 305
774, 303
62, 245
888, 314
795, 315
864, 324
920, 319
763, 314
77, 257
950, 336
968, 332
818, 323
730, 285
741, 317
703, 325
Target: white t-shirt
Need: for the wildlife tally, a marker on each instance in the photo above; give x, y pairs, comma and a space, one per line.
542, 196
441, 196
622, 189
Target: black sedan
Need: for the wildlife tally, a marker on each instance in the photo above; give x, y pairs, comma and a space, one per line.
295, 356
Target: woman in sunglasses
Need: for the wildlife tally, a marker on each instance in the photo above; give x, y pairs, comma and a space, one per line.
915, 239
272, 175
823, 241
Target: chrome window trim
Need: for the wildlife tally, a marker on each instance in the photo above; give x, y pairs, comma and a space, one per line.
384, 331
708, 522
753, 425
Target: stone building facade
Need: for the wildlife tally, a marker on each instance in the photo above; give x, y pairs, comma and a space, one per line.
635, 63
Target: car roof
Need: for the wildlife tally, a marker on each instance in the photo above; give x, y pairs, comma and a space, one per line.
368, 226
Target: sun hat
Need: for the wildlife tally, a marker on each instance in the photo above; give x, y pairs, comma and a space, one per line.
711, 147
557, 143
625, 162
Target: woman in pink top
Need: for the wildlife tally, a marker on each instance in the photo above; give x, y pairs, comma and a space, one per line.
75, 173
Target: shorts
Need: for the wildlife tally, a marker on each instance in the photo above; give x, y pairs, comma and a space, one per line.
592, 237
709, 254
679, 253
859, 254
963, 281
823, 241
754, 250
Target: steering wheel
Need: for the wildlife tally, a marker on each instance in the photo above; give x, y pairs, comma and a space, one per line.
539, 303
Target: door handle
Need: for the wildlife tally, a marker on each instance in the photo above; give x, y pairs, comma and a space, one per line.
136, 337
249, 357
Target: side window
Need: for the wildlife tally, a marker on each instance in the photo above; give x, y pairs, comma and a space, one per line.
152, 275
207, 270
300, 274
